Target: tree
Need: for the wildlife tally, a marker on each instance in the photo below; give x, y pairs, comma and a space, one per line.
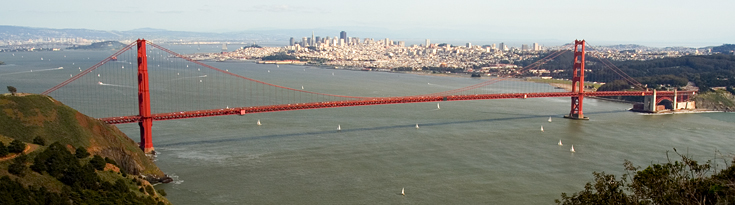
39, 141
678, 182
16, 146
81, 153
3, 150
12, 90
19, 165
98, 162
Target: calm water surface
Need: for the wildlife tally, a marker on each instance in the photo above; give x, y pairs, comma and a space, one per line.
469, 152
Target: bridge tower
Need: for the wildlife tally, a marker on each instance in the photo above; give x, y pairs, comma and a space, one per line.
144, 100
578, 82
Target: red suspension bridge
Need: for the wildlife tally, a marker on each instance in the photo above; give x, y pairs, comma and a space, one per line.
217, 89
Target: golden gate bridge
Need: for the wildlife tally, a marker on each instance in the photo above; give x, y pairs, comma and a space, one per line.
177, 79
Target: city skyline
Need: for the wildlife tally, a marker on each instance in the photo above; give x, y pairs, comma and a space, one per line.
675, 23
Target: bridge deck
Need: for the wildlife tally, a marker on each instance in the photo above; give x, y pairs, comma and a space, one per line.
374, 101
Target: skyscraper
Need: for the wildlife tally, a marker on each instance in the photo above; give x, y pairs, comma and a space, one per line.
427, 43
536, 47
312, 40
291, 42
343, 35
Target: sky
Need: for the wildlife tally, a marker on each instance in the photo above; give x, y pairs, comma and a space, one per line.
604, 22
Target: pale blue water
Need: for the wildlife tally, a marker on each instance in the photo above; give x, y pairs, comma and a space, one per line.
468, 152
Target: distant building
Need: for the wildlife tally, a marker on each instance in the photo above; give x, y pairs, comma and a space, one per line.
501, 46
524, 47
291, 42
536, 47
428, 43
343, 35
469, 45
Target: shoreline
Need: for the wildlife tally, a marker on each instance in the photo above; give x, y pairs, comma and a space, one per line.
567, 87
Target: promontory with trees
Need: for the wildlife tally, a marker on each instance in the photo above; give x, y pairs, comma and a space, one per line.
51, 154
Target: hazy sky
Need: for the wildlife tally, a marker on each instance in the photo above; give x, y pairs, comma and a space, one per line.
654, 22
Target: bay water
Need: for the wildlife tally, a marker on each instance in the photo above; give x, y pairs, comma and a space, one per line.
467, 152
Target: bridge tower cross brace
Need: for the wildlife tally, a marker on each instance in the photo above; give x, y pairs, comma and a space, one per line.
144, 100
578, 82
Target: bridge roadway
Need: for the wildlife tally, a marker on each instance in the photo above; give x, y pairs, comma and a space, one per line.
374, 101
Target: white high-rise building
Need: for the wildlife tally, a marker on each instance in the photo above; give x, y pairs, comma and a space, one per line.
428, 43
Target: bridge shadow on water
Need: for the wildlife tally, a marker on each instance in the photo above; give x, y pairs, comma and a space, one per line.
216, 141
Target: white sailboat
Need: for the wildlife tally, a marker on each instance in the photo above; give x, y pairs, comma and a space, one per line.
339, 128
572, 150
417, 126
278, 66
560, 144
269, 71
549, 119
437, 106
302, 87
542, 128
403, 191
259, 122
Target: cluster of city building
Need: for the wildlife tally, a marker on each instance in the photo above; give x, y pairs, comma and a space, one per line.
386, 54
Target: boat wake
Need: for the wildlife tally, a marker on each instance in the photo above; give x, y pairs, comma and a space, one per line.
114, 85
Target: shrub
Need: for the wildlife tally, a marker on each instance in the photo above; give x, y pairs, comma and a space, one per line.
81, 153
150, 190
98, 163
39, 141
3, 150
16, 146
18, 167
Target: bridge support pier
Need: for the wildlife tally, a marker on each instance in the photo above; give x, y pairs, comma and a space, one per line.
578, 82
144, 100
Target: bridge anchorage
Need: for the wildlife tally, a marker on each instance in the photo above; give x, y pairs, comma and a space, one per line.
654, 100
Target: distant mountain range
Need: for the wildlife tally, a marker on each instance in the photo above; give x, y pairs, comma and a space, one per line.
12, 33
279, 36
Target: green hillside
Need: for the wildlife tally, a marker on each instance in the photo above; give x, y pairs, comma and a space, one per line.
53, 165
27, 117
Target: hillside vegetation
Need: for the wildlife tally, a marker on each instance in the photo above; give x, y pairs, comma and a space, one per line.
705, 71
67, 156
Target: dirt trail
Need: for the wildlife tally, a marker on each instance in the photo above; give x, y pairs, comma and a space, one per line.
29, 148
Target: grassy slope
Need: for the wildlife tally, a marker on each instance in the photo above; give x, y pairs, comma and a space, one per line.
27, 117
717, 100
